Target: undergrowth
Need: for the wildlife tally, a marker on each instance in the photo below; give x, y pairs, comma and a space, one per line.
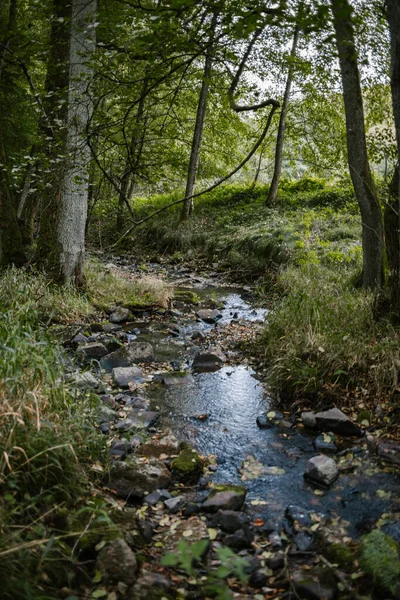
48, 443
322, 339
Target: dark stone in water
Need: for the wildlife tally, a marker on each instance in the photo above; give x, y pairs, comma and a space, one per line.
323, 444
299, 514
303, 541
229, 520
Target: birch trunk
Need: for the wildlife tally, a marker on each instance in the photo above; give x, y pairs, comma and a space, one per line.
273, 190
74, 191
188, 205
360, 172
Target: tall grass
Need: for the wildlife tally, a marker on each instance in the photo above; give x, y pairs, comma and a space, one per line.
322, 338
47, 438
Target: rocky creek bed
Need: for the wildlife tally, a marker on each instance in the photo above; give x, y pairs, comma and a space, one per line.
201, 462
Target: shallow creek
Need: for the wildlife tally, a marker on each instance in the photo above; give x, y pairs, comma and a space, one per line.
230, 400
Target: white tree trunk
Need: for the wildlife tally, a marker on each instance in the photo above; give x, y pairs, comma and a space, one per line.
74, 195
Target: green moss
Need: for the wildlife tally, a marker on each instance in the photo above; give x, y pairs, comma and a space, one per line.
188, 466
380, 560
222, 487
96, 526
341, 554
187, 296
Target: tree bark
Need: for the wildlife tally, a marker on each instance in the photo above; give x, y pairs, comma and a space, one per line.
52, 131
188, 204
392, 212
11, 245
74, 191
273, 189
360, 172
133, 158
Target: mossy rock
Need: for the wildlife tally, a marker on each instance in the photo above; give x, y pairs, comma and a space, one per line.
186, 296
380, 560
227, 487
188, 466
95, 528
341, 554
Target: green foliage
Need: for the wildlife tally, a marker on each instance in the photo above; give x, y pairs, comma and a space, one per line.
380, 560
323, 335
189, 555
47, 443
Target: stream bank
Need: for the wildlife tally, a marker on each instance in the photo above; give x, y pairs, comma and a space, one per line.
191, 399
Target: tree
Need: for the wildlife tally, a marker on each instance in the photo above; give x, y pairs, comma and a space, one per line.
188, 205
360, 171
74, 190
11, 246
392, 213
273, 189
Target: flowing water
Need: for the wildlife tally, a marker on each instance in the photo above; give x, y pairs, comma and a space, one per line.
216, 413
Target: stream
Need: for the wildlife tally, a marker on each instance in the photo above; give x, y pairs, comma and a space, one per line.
231, 398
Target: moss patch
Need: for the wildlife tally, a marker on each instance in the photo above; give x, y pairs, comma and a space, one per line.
380, 560
188, 466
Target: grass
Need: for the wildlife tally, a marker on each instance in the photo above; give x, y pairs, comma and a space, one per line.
311, 222
50, 520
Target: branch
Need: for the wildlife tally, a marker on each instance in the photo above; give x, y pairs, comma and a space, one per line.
235, 82
212, 187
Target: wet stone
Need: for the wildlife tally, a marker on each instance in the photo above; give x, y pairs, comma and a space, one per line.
175, 504
156, 496
258, 579
225, 498
242, 538
303, 541
297, 514
314, 585
275, 540
321, 469
209, 360
208, 315
335, 420
277, 561
128, 355
229, 520
123, 376
117, 563
325, 443
119, 315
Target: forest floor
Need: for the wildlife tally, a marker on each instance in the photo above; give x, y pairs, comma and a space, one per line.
210, 492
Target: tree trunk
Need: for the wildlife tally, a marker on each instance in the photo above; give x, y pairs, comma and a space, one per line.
188, 205
11, 245
392, 212
52, 130
360, 172
74, 191
132, 160
273, 189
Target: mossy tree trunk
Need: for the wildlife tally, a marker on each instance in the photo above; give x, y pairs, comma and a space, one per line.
392, 212
360, 171
11, 245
